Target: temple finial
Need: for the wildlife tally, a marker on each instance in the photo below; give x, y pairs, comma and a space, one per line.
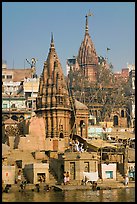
87, 15
52, 41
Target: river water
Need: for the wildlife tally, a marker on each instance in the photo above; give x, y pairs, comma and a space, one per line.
113, 195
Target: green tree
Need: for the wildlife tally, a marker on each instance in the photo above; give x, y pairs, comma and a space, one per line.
108, 91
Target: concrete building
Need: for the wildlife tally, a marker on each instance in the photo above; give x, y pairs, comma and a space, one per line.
123, 74
76, 163
72, 63
16, 75
12, 103
10, 87
19, 92
9, 132
81, 121
34, 172
30, 90
109, 171
8, 174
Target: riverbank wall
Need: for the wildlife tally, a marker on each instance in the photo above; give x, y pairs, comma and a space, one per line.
105, 185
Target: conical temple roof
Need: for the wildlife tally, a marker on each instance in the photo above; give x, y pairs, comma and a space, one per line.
87, 54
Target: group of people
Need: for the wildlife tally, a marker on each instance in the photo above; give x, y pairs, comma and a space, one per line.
42, 179
66, 178
76, 146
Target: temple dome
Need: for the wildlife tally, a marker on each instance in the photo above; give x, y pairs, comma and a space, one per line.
80, 106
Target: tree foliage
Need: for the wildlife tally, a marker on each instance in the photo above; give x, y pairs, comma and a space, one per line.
108, 91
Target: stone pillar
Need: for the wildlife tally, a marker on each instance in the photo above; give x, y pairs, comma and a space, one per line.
55, 125
126, 160
11, 142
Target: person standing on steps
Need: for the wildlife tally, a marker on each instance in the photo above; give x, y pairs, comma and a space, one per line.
19, 176
67, 177
126, 180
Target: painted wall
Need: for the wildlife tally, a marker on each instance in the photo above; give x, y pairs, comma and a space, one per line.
107, 168
8, 174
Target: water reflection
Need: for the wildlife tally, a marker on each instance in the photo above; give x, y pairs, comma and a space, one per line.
115, 195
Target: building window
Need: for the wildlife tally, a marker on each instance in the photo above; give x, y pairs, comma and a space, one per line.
86, 164
92, 122
61, 135
122, 113
28, 94
30, 104
5, 106
13, 106
3, 76
60, 100
82, 125
9, 76
115, 120
109, 174
72, 171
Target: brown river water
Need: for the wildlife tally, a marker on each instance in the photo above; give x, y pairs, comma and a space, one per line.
113, 195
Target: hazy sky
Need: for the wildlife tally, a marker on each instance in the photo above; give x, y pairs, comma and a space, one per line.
27, 27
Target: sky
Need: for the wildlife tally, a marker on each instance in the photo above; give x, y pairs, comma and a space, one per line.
27, 28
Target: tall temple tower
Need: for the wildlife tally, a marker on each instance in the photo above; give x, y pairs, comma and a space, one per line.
58, 116
53, 100
87, 57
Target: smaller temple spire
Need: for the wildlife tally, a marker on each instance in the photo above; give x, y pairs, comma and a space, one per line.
87, 15
52, 41
86, 29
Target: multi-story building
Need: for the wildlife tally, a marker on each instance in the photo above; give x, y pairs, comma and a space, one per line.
19, 92
72, 63
123, 74
30, 88
16, 75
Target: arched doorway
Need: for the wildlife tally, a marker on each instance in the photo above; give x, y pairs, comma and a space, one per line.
122, 113
115, 120
81, 127
61, 135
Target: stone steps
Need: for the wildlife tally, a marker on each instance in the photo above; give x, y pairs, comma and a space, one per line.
52, 179
25, 156
119, 176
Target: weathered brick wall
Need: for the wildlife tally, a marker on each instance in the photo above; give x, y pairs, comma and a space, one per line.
35, 140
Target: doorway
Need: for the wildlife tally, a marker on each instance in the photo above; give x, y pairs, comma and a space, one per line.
115, 120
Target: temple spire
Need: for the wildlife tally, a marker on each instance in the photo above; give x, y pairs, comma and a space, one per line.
52, 41
86, 29
87, 15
